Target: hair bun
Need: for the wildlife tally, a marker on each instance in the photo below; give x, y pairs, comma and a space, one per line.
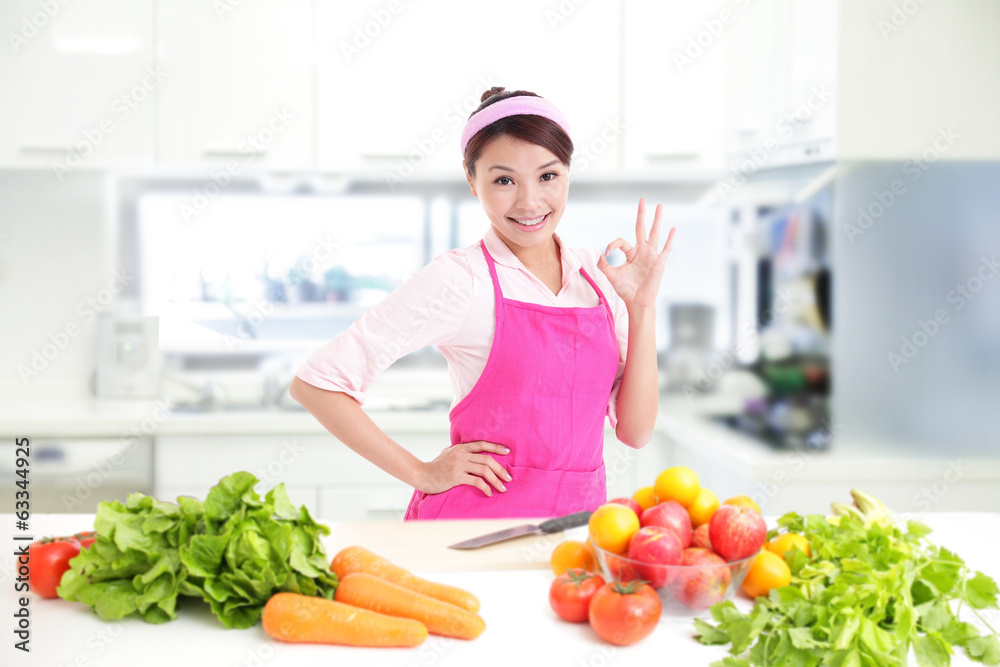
495, 90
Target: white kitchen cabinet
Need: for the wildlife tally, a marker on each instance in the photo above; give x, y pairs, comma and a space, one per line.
332, 480
920, 82
567, 52
398, 70
780, 99
673, 84
239, 84
440, 66
79, 83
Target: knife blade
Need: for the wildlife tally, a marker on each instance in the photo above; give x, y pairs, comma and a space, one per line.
551, 526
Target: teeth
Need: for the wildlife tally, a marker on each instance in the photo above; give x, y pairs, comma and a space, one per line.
527, 222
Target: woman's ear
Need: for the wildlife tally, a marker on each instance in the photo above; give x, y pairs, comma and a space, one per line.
468, 177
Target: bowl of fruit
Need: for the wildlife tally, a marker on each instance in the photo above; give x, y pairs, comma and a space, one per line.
691, 550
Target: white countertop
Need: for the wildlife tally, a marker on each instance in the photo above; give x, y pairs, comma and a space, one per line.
852, 459
107, 418
521, 628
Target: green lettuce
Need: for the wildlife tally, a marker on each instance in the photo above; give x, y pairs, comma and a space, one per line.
234, 550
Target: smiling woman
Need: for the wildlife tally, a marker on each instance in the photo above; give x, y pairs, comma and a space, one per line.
565, 341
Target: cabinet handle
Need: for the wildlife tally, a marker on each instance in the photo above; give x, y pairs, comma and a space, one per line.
671, 157
379, 157
46, 149
231, 152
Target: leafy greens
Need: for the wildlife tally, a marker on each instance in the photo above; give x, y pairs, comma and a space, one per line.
234, 550
871, 591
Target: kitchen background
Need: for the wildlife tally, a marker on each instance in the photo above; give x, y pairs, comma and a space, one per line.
195, 195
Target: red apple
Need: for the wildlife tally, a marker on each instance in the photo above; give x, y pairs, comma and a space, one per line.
654, 547
669, 514
736, 532
700, 538
630, 503
703, 581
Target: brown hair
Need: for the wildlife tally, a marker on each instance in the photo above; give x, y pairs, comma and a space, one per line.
532, 129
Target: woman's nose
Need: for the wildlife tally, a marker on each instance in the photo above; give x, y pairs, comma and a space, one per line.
526, 195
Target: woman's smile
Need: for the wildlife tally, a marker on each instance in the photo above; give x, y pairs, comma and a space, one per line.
531, 224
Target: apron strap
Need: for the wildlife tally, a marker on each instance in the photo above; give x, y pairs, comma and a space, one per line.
497, 294
600, 295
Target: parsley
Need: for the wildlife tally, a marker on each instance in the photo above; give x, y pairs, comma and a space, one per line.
872, 590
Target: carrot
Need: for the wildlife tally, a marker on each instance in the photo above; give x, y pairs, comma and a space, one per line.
441, 618
291, 617
359, 559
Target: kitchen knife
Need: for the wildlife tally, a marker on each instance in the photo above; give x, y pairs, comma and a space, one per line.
551, 526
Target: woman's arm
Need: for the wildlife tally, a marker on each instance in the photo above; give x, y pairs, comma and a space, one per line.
343, 417
639, 394
637, 282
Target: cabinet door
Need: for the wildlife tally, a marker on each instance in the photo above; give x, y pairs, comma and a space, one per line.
567, 52
240, 84
380, 503
781, 84
673, 69
79, 82
399, 72
400, 69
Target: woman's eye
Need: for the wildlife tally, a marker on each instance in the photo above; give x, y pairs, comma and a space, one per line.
504, 180
549, 175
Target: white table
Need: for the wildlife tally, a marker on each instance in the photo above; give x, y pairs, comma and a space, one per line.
521, 628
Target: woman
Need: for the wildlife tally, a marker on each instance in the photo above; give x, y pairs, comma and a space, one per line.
535, 335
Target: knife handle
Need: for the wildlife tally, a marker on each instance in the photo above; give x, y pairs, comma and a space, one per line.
563, 522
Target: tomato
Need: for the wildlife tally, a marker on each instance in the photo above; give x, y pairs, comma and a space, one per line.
788, 541
624, 613
570, 593
48, 559
86, 539
678, 483
768, 571
572, 555
612, 526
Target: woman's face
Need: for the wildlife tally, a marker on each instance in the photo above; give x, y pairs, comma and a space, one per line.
523, 188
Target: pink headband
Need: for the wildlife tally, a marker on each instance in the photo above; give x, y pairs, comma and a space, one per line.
522, 105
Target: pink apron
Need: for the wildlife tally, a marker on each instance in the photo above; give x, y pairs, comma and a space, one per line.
544, 394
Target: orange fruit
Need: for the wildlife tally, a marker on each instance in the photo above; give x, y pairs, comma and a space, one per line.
646, 497
678, 483
767, 571
572, 555
786, 541
746, 501
703, 507
612, 526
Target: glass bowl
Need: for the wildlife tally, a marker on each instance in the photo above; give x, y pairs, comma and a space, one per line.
684, 590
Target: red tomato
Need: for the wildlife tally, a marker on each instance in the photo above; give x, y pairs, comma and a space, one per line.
48, 559
624, 613
86, 539
570, 594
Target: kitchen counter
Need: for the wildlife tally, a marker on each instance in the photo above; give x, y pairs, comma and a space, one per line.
521, 629
109, 418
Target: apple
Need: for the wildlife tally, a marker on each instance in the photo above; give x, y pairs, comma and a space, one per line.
657, 546
630, 503
703, 581
700, 537
737, 532
670, 514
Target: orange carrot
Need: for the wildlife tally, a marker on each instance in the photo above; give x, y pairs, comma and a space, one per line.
358, 559
441, 618
291, 617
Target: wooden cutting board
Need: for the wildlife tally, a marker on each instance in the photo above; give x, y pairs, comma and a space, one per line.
422, 546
